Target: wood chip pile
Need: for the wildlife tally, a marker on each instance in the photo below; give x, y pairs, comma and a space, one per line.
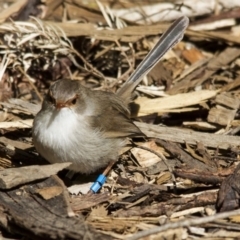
182, 180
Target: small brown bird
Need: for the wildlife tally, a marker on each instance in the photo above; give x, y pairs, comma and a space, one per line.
88, 128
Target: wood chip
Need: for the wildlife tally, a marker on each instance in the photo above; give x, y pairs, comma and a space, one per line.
17, 124
13, 177
221, 116
177, 101
49, 192
146, 158
189, 136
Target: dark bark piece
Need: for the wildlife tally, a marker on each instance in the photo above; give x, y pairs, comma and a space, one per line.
205, 155
18, 154
169, 206
135, 186
184, 157
138, 191
30, 9
229, 192
199, 176
25, 212
152, 210
10, 151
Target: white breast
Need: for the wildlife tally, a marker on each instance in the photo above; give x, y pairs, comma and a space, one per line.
63, 136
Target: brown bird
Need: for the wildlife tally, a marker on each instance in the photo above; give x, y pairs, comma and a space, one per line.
86, 127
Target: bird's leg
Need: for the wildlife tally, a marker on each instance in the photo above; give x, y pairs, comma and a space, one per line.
101, 178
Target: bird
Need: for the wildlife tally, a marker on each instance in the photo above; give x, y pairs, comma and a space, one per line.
88, 127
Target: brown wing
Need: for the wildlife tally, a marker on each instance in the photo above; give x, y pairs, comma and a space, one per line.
114, 118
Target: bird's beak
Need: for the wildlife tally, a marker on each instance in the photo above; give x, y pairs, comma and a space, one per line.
59, 105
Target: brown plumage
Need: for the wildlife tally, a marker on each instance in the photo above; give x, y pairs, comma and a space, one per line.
86, 127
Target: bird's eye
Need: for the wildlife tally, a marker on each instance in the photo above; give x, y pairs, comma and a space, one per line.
51, 99
74, 101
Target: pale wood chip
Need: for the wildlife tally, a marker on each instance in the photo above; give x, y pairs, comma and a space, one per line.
13, 9
189, 136
13, 177
17, 124
49, 192
158, 105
